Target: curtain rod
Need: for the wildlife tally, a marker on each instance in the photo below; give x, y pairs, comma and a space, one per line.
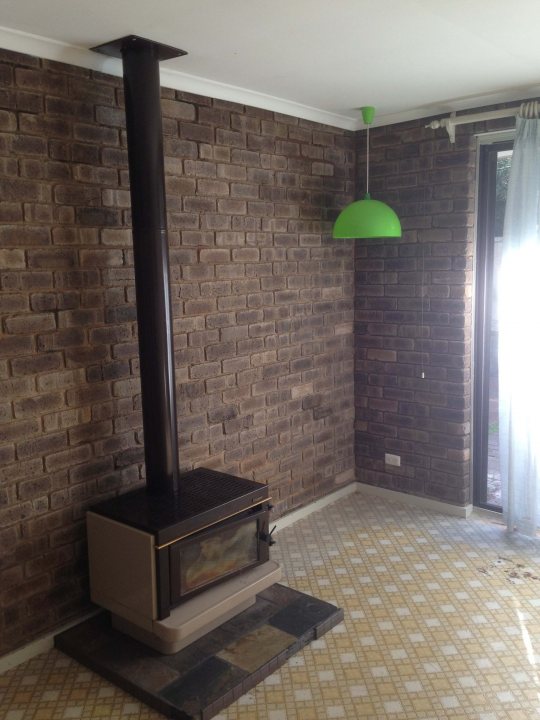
526, 110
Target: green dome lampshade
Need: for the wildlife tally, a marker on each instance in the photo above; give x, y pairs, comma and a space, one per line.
367, 218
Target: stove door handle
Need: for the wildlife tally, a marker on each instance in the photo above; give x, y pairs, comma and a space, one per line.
267, 537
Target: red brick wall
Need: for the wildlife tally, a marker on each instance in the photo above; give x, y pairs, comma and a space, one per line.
427, 421
262, 303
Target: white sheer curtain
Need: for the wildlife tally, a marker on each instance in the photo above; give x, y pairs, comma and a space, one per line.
519, 336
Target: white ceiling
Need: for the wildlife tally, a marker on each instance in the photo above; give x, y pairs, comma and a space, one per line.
318, 59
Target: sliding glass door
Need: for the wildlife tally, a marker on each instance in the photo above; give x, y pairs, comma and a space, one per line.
495, 160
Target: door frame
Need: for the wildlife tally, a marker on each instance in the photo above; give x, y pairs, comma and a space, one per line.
488, 149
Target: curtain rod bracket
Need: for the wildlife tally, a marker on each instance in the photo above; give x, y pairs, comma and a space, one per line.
448, 124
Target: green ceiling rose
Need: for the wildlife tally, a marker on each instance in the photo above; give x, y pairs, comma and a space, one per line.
367, 218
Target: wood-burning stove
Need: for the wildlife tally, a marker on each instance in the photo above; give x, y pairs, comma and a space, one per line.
152, 557
154, 551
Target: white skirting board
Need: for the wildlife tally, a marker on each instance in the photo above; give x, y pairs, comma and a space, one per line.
462, 511
391, 495
46, 643
36, 647
316, 505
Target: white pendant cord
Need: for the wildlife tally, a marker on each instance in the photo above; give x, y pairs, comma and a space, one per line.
422, 292
367, 162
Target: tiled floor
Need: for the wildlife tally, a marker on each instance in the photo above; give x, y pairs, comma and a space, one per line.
442, 620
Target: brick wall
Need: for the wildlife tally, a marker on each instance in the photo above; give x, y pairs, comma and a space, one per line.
414, 313
262, 304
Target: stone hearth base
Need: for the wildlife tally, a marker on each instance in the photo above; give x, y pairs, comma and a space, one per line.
214, 671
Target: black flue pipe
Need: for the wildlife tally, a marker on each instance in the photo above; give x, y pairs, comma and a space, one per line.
141, 59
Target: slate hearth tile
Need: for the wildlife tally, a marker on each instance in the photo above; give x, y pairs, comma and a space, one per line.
209, 682
135, 662
325, 625
300, 617
213, 709
148, 674
251, 618
200, 650
91, 635
256, 648
281, 595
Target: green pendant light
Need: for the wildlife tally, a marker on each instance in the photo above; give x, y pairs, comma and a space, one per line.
367, 218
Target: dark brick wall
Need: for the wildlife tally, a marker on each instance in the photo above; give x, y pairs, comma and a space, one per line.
413, 313
262, 303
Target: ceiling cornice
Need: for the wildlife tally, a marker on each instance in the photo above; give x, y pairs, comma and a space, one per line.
49, 49
39, 46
